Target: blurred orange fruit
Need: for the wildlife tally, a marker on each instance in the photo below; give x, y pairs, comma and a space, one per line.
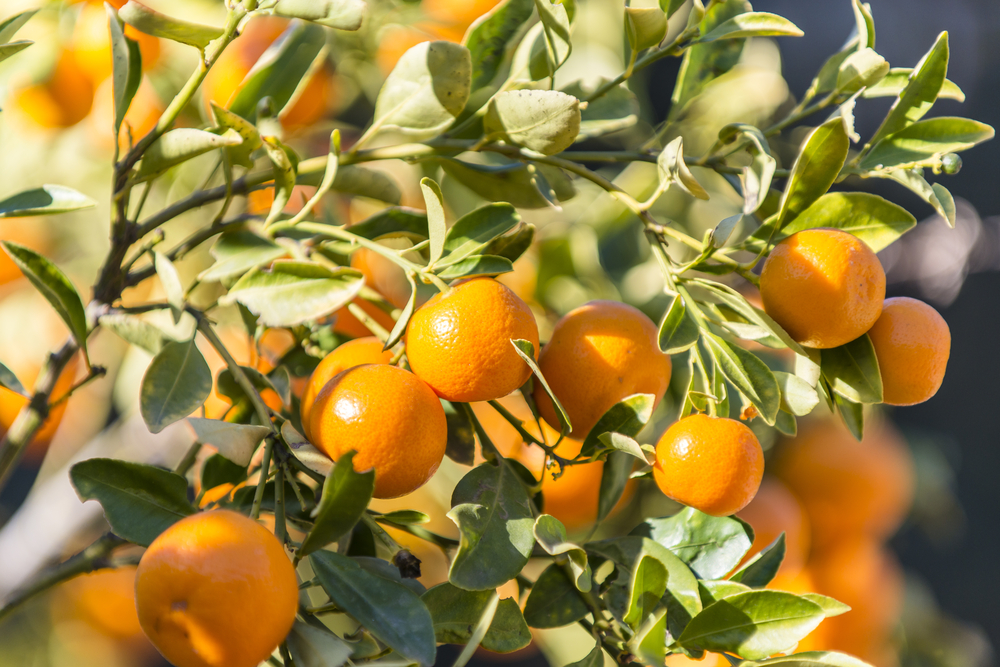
459, 342
11, 404
91, 43
457, 12
141, 117
390, 417
825, 287
848, 487
712, 464
709, 660
383, 275
346, 323
367, 350
216, 589
599, 354
775, 510
105, 599
395, 40
63, 99
912, 342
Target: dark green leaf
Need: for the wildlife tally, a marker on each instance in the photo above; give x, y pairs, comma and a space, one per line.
512, 246
926, 140
292, 292
456, 612
393, 222
647, 585
473, 232
140, 501
239, 251
54, 286
512, 182
545, 121
753, 24
477, 265
218, 470
749, 374
177, 382
228, 386
461, 446
614, 477
490, 37
753, 625
151, 22
311, 646
618, 109
678, 331
526, 350
853, 415
346, 494
388, 610
46, 200
593, 659
551, 536
711, 546
816, 168
494, 515
627, 417
126, 75
181, 145
852, 371
9, 381
339, 14
236, 442
762, 568
554, 601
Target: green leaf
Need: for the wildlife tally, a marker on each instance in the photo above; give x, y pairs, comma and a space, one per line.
140, 501
512, 246
713, 591
13, 48
526, 350
762, 568
292, 292
177, 382
346, 494
860, 70
9, 381
617, 442
311, 646
339, 14
551, 536
490, 37
136, 331
830, 606
180, 145
545, 121
748, 374
556, 29
711, 546
936, 195
477, 265
283, 165
494, 515
672, 169
926, 140
922, 89
390, 611
461, 447
227, 385
151, 22
554, 600
614, 477
241, 154
436, 224
239, 251
893, 83
126, 75
815, 659
865, 24
671, 6
816, 168
616, 110
46, 200
218, 470
456, 612
54, 286
303, 450
355, 180
645, 27
647, 585
649, 644
797, 396
10, 25
405, 517
426, 91
473, 232
725, 295
170, 281
236, 442
626, 417
752, 24
852, 371
393, 222
753, 625
399, 330
872, 219
678, 331
853, 415
705, 62
513, 182
593, 659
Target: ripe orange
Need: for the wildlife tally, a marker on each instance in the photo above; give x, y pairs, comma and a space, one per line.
824, 286
104, 599
390, 417
848, 487
395, 40
91, 43
459, 341
912, 342
457, 12
11, 404
62, 100
216, 589
598, 354
712, 464
775, 510
353, 353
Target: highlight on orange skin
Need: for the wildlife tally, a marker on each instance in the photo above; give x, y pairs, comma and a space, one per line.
62, 100
775, 510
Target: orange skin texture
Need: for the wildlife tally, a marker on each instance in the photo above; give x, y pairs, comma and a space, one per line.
63, 100
848, 487
825, 287
105, 599
216, 589
712, 464
775, 510
367, 350
599, 354
390, 417
912, 342
459, 341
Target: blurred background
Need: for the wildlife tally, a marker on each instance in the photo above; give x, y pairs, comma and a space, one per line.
942, 455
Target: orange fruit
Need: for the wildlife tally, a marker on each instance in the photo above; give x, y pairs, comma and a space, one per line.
599, 354
390, 417
709, 660
823, 286
861, 573
459, 342
383, 275
216, 494
912, 342
353, 353
62, 100
11, 404
712, 464
775, 510
395, 40
104, 599
848, 487
141, 117
346, 323
457, 12
91, 43
216, 589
